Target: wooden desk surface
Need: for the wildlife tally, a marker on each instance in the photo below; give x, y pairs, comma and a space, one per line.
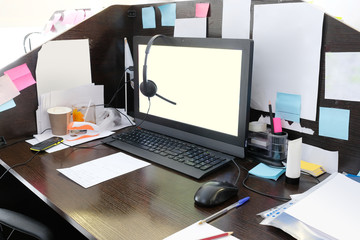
150, 203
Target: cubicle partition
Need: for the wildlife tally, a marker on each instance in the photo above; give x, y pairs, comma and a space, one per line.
106, 31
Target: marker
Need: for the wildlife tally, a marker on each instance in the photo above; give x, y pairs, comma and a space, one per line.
225, 210
217, 236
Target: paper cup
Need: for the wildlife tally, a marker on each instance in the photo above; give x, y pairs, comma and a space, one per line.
59, 119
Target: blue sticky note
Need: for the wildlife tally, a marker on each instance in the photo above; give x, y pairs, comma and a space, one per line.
7, 105
265, 171
168, 14
288, 106
334, 122
148, 17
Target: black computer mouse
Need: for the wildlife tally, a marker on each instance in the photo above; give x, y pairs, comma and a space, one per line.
214, 193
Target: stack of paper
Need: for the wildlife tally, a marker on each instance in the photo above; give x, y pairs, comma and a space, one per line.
330, 210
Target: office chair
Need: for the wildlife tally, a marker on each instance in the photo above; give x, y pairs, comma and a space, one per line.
22, 223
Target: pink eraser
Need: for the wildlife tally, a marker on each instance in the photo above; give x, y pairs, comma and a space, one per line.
277, 125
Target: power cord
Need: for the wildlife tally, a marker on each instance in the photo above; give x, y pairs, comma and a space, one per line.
147, 114
82, 147
19, 164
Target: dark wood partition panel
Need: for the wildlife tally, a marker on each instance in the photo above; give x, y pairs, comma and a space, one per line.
106, 32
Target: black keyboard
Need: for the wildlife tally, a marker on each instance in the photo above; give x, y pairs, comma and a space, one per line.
181, 156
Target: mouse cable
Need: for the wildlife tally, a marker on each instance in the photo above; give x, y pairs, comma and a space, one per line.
20, 164
258, 192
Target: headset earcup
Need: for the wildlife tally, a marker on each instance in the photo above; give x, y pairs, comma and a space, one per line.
148, 88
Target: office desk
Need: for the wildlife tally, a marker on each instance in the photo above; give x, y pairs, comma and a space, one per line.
150, 203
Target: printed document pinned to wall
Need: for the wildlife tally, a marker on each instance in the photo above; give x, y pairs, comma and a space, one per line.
342, 76
287, 50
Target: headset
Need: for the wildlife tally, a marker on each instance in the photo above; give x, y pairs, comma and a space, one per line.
148, 88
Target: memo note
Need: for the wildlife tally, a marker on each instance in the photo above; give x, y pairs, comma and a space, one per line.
342, 76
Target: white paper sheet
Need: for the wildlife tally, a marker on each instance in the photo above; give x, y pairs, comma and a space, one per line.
198, 231
342, 75
63, 64
287, 48
328, 159
99, 170
190, 27
236, 19
333, 208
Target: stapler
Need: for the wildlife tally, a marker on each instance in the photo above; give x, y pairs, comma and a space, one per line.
80, 130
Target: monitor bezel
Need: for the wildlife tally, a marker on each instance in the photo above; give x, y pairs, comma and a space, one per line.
233, 145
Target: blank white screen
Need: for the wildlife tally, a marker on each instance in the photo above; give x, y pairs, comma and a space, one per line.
204, 83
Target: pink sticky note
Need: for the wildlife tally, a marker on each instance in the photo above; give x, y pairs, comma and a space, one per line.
80, 16
21, 76
202, 10
69, 17
277, 125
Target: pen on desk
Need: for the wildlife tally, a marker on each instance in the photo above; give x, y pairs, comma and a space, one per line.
217, 236
271, 118
225, 210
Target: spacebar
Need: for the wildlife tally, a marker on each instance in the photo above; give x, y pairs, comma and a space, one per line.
137, 145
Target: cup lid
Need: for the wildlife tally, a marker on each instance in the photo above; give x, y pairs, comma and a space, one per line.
59, 110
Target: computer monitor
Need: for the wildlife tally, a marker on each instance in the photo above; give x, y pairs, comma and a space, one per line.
209, 79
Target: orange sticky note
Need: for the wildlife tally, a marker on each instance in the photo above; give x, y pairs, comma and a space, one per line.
202, 10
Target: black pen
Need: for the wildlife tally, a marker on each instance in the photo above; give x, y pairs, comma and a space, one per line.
271, 118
